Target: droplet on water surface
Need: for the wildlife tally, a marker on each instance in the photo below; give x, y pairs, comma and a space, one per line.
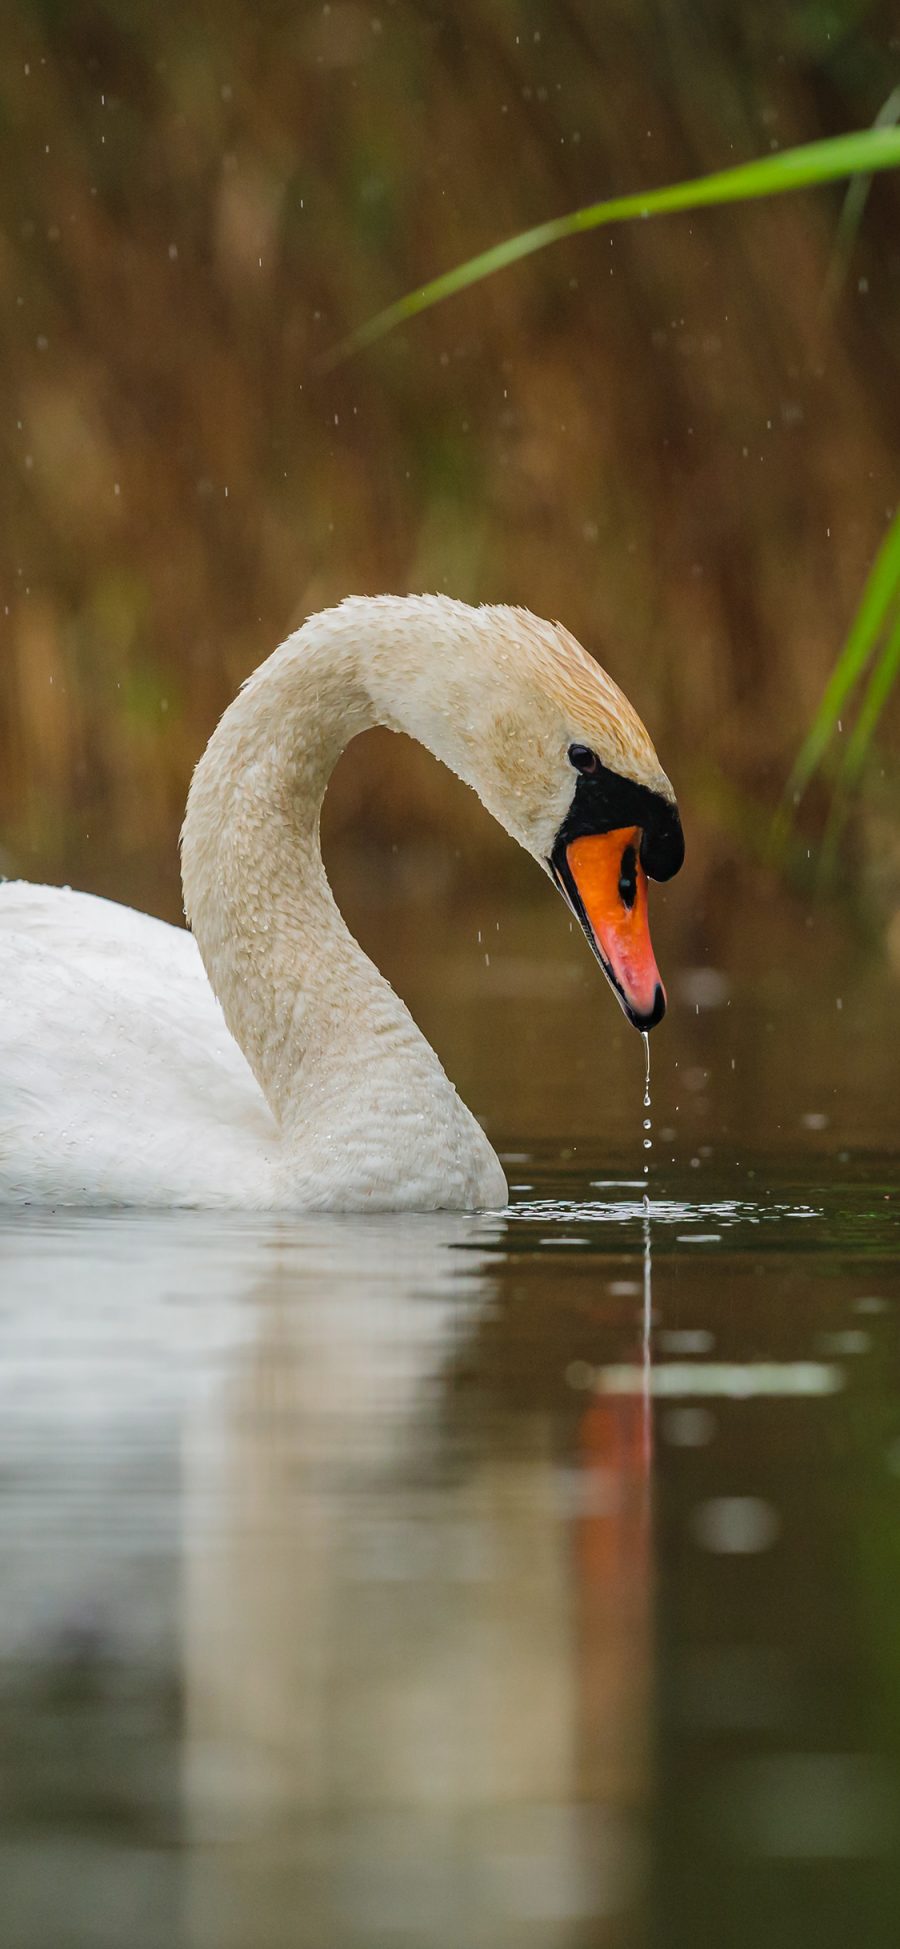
688, 1427
736, 1525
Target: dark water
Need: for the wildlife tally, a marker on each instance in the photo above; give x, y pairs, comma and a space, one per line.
528, 1579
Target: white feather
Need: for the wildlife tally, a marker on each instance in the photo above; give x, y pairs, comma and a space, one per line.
119, 1082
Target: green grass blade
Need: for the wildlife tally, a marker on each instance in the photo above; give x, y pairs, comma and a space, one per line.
861, 153
853, 209
882, 586
878, 690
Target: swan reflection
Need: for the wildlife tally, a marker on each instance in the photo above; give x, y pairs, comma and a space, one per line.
322, 1480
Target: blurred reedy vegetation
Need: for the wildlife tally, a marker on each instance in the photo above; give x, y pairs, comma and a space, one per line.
679, 437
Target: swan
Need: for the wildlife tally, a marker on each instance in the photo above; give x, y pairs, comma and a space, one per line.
261, 1061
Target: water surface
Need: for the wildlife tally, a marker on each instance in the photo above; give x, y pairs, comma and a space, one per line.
520, 1579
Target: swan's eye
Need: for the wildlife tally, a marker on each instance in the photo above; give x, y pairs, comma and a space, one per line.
628, 877
584, 760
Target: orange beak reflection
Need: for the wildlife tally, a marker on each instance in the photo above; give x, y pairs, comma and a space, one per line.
606, 887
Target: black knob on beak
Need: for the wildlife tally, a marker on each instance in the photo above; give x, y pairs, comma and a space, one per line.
662, 844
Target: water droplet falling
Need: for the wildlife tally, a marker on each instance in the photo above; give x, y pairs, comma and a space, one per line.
647, 1322
648, 1141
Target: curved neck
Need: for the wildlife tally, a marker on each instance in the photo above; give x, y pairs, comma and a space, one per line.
299, 995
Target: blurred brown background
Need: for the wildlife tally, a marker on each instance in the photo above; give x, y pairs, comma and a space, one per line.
666, 435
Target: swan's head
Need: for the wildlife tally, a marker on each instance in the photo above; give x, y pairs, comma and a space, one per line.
603, 817
553, 748
562, 759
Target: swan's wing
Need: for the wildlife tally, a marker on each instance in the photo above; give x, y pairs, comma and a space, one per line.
119, 1081
97, 935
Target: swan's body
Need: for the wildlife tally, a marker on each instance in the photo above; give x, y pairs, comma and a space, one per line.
121, 1084
122, 1079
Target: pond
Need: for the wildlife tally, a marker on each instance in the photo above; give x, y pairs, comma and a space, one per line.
520, 1579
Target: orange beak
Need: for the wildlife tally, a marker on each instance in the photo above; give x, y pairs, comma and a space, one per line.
605, 884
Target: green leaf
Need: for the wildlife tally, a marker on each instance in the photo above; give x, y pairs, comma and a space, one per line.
861, 153
854, 208
878, 690
882, 586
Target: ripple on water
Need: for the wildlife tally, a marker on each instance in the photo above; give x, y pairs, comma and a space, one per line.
727, 1213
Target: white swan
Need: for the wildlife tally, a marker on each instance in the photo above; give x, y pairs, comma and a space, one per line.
119, 1080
